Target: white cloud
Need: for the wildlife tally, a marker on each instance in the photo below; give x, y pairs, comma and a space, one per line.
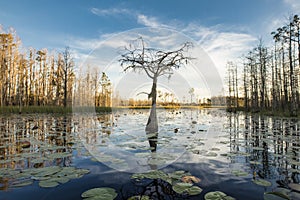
110, 11
148, 21
294, 4
213, 43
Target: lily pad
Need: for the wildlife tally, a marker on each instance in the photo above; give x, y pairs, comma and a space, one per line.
262, 182
137, 197
211, 154
59, 179
47, 171
194, 190
239, 173
181, 187
258, 148
22, 183
48, 183
103, 193
295, 186
217, 195
275, 196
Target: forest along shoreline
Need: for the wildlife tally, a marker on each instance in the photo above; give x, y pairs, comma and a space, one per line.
6, 110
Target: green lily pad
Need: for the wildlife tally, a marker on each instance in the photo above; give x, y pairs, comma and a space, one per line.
258, 148
239, 173
262, 182
254, 162
194, 190
295, 186
47, 171
275, 196
137, 197
217, 195
82, 171
66, 171
155, 174
211, 154
59, 179
48, 183
104, 193
177, 175
40, 178
22, 183
181, 187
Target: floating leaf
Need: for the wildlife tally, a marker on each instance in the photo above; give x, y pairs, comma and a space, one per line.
59, 179
194, 190
181, 187
48, 184
217, 195
239, 173
22, 183
211, 154
47, 171
254, 162
137, 197
104, 193
262, 182
295, 186
275, 196
258, 148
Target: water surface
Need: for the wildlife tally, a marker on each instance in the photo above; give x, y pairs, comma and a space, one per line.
229, 152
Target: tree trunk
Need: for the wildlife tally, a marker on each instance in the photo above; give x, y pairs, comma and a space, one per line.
152, 124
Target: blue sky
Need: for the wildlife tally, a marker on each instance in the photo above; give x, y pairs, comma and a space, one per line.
225, 29
52, 23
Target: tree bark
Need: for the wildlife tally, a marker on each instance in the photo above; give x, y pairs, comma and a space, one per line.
152, 124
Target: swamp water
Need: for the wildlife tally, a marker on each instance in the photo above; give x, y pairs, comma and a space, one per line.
197, 152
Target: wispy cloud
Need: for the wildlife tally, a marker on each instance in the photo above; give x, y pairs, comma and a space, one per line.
295, 4
111, 11
148, 21
216, 44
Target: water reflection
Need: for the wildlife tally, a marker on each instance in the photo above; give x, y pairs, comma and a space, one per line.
264, 147
269, 145
32, 142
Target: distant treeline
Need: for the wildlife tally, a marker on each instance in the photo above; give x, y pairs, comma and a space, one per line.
270, 75
41, 78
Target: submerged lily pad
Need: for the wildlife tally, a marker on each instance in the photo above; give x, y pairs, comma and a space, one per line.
103, 193
217, 195
262, 182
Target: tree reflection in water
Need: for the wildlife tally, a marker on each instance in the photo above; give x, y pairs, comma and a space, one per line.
270, 146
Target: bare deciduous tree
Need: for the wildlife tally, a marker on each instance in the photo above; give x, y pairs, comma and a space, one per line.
155, 63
